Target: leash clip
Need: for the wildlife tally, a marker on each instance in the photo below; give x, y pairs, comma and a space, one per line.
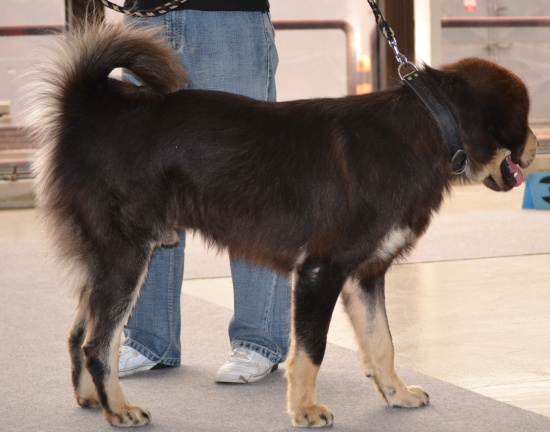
401, 59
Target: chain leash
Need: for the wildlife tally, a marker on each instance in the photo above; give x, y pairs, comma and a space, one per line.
159, 10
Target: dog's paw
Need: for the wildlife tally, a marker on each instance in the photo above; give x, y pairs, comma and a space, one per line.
130, 415
88, 402
408, 397
313, 416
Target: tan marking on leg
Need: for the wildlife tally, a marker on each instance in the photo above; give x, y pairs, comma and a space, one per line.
86, 393
118, 411
121, 412
84, 387
303, 403
376, 348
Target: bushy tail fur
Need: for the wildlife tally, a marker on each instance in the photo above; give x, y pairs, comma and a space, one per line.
76, 64
53, 93
80, 60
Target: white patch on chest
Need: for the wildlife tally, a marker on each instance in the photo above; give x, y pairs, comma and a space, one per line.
393, 242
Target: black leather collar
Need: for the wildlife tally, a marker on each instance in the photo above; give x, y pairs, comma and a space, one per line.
443, 117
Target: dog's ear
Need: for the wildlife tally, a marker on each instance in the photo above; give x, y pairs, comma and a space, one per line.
502, 99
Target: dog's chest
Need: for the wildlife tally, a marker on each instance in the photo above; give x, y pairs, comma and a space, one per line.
393, 243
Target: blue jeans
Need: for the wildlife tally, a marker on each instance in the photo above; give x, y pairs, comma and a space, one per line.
233, 52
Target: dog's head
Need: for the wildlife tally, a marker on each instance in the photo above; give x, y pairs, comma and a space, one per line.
498, 139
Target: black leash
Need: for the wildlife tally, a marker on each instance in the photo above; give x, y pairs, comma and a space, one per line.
428, 95
170, 5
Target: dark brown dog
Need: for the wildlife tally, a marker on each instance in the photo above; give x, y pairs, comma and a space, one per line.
331, 189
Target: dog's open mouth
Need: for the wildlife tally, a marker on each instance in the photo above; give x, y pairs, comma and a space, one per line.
511, 175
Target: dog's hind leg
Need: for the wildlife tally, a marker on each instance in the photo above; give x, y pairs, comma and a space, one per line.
84, 388
317, 286
112, 296
365, 305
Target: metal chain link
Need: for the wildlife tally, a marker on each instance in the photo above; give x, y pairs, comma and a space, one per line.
388, 33
160, 10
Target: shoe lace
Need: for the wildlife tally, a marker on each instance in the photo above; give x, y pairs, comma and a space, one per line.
124, 349
240, 354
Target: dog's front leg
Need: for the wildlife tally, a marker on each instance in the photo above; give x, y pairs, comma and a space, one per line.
318, 283
365, 305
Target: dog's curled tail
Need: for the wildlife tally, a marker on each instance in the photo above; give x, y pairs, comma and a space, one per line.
79, 61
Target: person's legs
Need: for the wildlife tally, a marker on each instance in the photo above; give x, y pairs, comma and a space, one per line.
153, 329
241, 57
227, 51
233, 52
262, 311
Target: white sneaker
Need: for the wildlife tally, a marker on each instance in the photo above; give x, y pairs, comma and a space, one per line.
130, 362
245, 366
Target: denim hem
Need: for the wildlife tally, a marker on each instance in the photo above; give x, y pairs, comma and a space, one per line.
150, 354
263, 351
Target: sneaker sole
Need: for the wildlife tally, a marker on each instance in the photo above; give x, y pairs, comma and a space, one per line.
128, 372
231, 379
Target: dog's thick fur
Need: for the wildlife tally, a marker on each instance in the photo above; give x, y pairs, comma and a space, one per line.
333, 190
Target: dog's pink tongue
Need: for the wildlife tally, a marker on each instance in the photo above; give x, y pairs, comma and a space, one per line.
515, 170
